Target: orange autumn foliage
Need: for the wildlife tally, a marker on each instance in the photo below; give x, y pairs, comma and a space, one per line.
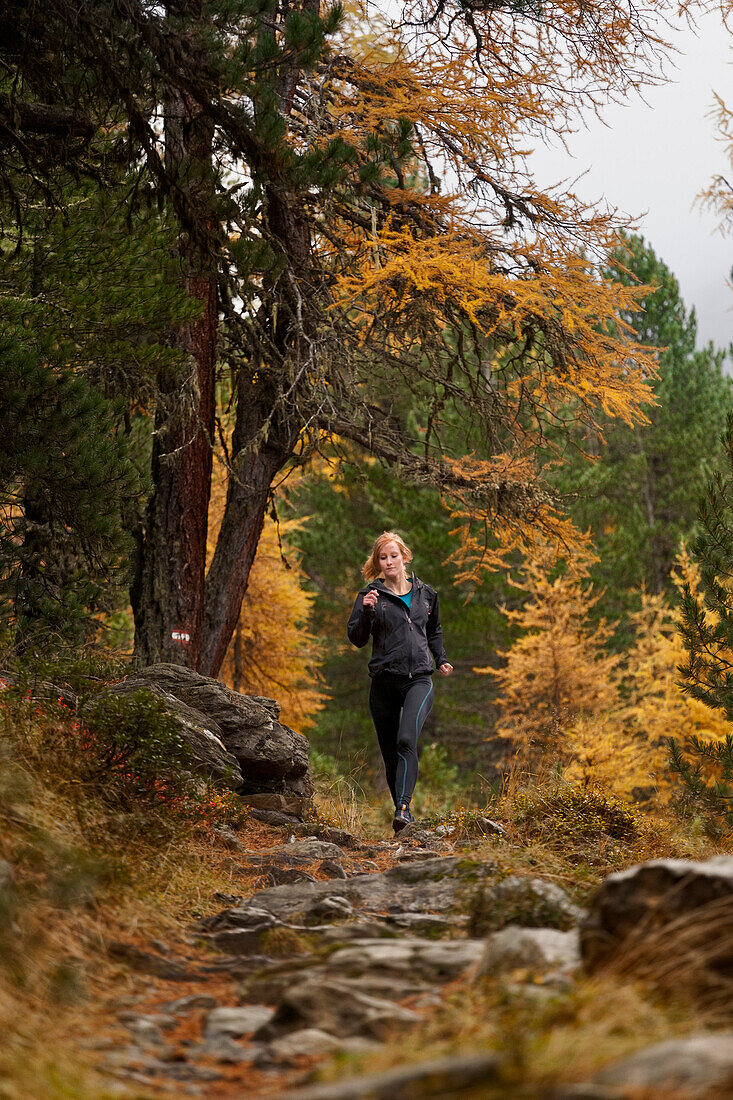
557, 670
654, 706
272, 653
604, 718
454, 236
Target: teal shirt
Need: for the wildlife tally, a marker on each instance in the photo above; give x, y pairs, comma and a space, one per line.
407, 598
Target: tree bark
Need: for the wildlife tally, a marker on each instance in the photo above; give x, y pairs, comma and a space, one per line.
168, 593
250, 481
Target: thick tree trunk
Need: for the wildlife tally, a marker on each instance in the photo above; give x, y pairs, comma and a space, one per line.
255, 466
177, 616
168, 593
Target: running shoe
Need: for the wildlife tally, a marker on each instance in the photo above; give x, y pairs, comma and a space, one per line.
402, 817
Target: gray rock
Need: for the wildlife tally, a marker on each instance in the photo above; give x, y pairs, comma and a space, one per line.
272, 985
175, 970
141, 1066
433, 884
194, 1002
292, 804
423, 837
414, 854
355, 930
424, 922
544, 949
236, 1022
221, 1048
202, 735
300, 851
648, 896
272, 757
434, 960
525, 900
332, 868
242, 941
280, 876
330, 833
695, 1064
229, 838
335, 1007
147, 1030
274, 817
474, 1075
328, 907
307, 1041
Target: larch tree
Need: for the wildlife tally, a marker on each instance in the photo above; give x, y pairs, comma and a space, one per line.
654, 707
272, 651
353, 205
557, 670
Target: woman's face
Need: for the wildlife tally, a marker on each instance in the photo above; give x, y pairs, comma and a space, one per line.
390, 560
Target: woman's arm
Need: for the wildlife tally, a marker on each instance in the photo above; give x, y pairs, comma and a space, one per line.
434, 634
359, 627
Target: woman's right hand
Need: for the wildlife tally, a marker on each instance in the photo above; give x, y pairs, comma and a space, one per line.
370, 599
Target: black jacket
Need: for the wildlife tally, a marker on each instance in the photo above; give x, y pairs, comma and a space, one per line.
402, 640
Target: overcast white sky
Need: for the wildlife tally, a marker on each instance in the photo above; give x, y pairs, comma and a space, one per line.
652, 159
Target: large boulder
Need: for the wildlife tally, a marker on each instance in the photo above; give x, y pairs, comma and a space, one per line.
202, 735
636, 903
272, 760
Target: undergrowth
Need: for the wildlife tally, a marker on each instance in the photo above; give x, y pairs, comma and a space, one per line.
104, 828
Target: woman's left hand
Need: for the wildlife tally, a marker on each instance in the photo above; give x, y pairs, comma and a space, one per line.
446, 669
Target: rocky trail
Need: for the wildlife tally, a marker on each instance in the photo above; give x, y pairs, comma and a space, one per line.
347, 945
335, 946
344, 945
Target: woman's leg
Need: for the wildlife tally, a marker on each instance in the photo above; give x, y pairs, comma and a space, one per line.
385, 702
418, 702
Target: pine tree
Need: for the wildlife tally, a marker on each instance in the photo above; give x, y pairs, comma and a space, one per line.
83, 298
639, 496
705, 765
707, 618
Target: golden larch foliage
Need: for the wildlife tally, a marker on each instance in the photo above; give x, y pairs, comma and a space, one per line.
557, 670
272, 652
454, 235
654, 706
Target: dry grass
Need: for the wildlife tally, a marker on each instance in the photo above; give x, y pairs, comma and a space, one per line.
688, 958
544, 1037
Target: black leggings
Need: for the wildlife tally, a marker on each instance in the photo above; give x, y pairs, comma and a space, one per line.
399, 707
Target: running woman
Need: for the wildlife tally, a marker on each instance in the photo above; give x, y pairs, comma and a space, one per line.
402, 618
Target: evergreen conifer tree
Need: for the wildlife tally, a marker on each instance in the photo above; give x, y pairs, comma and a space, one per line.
639, 496
86, 299
707, 619
705, 766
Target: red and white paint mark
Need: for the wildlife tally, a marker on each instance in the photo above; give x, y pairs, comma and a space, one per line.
181, 636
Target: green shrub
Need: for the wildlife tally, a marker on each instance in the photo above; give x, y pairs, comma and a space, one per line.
573, 815
131, 749
514, 901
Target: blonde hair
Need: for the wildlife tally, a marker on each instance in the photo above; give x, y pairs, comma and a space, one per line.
370, 568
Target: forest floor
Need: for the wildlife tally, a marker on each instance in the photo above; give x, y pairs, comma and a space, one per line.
340, 956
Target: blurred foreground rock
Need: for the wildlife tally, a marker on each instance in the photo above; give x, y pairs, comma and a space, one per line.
632, 906
689, 1068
